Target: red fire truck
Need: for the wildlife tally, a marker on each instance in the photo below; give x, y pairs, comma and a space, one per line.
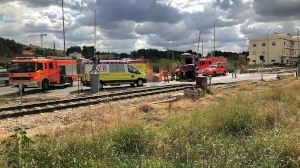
204, 63
42, 72
192, 66
215, 70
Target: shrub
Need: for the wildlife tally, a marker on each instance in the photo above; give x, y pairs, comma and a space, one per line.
176, 144
146, 108
132, 140
236, 122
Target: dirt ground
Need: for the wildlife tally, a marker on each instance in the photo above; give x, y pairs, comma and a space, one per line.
151, 110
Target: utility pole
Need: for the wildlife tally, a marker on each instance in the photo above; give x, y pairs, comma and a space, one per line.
168, 53
42, 41
268, 59
95, 29
54, 49
94, 74
199, 43
214, 39
202, 49
298, 44
64, 33
42, 38
298, 71
173, 54
54, 46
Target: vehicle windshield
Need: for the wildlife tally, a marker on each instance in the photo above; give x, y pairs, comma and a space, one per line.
21, 67
132, 69
213, 66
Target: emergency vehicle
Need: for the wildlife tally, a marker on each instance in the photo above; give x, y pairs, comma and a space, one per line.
204, 63
42, 72
114, 72
192, 66
215, 70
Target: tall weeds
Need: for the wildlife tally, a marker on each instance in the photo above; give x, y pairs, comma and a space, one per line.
253, 129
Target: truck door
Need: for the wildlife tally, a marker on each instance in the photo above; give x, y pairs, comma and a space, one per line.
133, 72
53, 77
62, 74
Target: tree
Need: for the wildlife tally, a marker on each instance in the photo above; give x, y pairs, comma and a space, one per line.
9, 48
123, 55
88, 52
73, 49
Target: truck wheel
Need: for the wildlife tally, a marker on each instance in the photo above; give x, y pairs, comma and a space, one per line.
71, 82
45, 85
225, 73
214, 74
140, 82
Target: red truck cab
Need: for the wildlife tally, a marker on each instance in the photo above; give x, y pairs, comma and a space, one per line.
215, 70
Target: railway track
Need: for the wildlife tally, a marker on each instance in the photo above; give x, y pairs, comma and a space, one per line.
50, 106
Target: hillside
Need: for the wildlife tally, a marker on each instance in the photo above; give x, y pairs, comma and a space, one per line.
9, 48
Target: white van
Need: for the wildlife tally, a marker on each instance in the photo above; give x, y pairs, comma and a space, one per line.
114, 72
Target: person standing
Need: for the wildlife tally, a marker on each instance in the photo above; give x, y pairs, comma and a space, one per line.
234, 72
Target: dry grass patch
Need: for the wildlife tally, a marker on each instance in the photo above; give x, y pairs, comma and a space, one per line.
246, 87
253, 128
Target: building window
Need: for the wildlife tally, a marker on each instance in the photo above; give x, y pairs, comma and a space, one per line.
254, 61
284, 43
254, 45
273, 43
263, 44
272, 60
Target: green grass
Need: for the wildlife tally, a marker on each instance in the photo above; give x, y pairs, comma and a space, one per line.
253, 129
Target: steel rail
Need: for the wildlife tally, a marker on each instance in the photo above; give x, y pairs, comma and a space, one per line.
50, 106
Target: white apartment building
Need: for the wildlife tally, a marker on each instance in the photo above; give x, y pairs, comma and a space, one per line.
275, 49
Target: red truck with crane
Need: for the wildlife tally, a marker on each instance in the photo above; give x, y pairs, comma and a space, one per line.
192, 67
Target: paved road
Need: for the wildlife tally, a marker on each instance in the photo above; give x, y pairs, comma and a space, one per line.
64, 91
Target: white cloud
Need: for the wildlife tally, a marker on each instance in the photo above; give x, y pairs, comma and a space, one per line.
125, 25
